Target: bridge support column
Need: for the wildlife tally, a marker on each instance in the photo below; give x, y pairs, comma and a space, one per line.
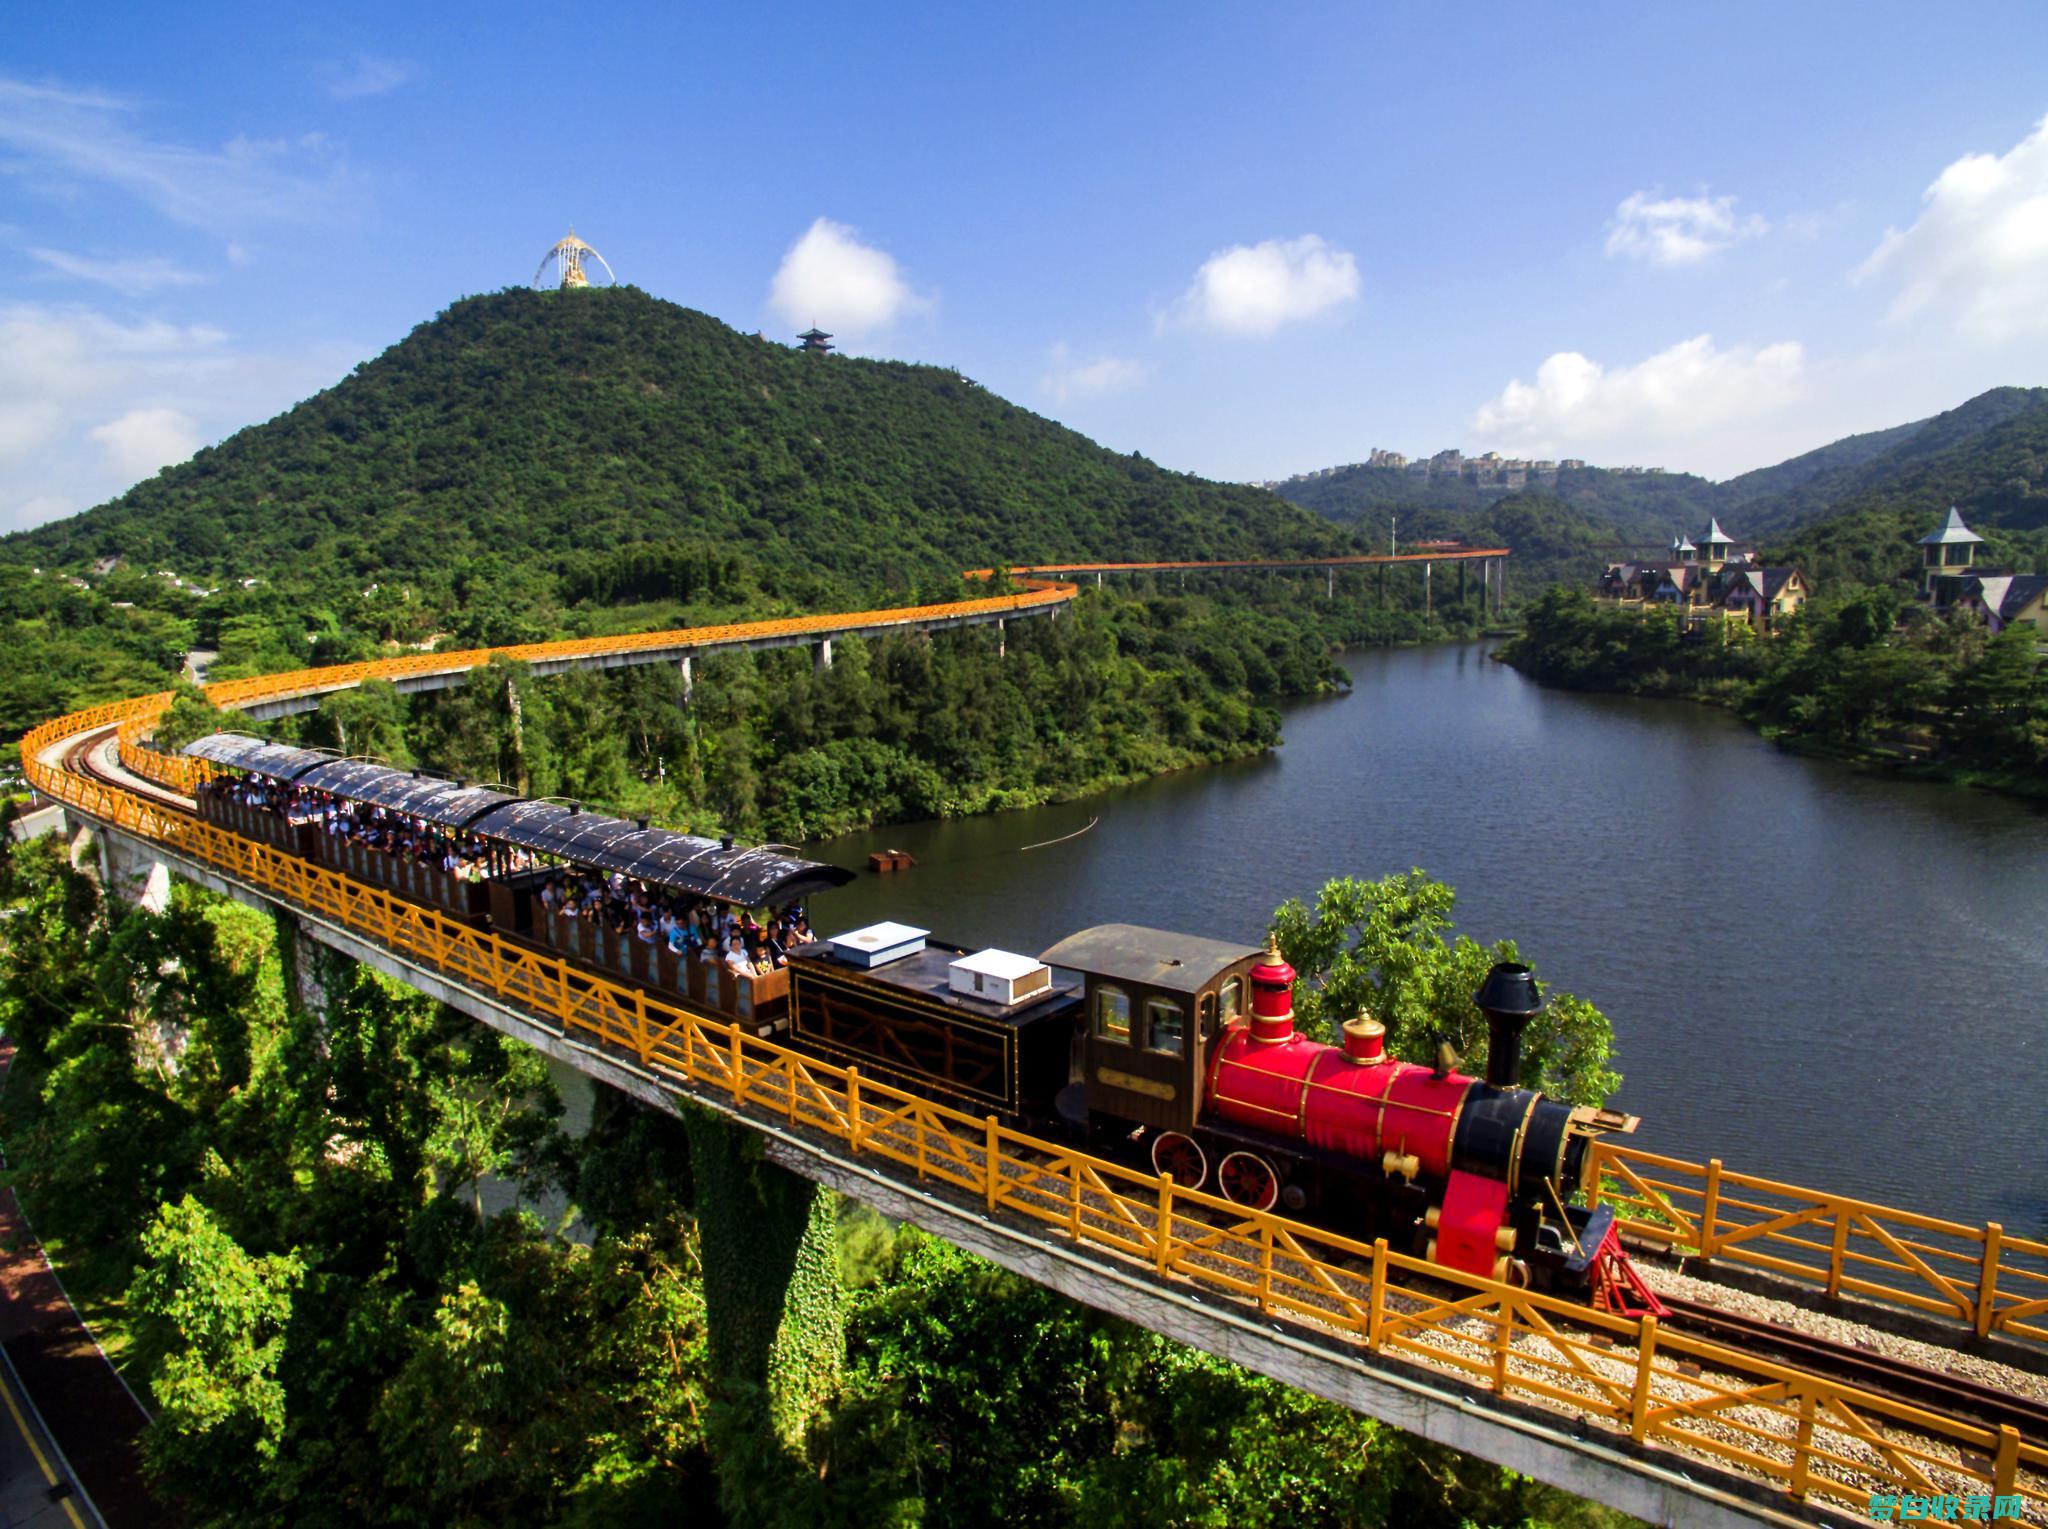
1002, 638
1428, 609
1330, 582
313, 973
129, 871
821, 656
1098, 578
689, 678
772, 1301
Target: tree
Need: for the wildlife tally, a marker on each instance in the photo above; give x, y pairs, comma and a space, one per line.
217, 1316
1997, 706
191, 716
367, 720
1379, 947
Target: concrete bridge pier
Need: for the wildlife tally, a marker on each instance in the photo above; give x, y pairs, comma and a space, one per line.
1330, 582
821, 656
313, 972
689, 678
1002, 638
129, 871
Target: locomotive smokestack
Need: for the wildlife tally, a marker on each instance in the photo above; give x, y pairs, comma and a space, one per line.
1509, 1000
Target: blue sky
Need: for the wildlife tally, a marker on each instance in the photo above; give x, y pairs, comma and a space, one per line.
1245, 240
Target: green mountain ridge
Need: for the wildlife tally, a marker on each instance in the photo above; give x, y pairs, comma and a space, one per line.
1988, 456
563, 430
1623, 507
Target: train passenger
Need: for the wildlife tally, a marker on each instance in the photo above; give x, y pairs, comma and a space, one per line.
736, 957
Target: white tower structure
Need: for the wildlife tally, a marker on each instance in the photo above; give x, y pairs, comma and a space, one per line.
567, 256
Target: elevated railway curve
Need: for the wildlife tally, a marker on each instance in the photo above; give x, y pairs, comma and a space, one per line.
1672, 1425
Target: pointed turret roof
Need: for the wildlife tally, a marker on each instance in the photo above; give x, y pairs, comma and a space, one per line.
1954, 531
1682, 543
1716, 534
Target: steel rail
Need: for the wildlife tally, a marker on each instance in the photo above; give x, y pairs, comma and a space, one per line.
1951, 1395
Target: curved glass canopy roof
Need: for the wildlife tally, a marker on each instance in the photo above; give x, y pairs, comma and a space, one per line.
689, 863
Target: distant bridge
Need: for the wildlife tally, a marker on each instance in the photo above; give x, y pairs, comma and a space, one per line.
1492, 567
1661, 1424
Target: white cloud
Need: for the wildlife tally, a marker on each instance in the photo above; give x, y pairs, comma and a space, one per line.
831, 279
1069, 378
1979, 250
1680, 395
368, 75
67, 139
133, 276
144, 440
1253, 289
1678, 230
90, 403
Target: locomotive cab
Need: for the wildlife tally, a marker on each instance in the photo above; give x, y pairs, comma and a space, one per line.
1156, 1003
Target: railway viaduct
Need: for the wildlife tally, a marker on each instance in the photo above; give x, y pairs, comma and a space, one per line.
1603, 1406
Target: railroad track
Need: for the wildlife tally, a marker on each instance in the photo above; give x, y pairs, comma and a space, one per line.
78, 760
1936, 1390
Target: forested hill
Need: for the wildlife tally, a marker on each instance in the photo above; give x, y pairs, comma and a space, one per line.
1622, 506
567, 432
1988, 456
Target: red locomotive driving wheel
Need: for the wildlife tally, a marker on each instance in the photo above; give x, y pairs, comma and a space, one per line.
1181, 1156
1249, 1180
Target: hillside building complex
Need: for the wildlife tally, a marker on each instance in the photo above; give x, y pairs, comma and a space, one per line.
1487, 470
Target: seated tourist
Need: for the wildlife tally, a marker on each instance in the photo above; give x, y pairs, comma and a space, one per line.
736, 957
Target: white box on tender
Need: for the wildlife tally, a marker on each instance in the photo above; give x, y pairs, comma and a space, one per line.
878, 944
1000, 976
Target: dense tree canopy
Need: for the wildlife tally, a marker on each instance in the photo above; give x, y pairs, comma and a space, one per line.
1863, 669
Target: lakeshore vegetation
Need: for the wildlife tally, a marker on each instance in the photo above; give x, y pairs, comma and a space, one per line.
1864, 671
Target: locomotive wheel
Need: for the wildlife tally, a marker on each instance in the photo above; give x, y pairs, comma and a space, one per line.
1181, 1156
1249, 1180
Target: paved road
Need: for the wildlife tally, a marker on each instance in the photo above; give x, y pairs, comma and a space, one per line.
48, 1353
36, 1485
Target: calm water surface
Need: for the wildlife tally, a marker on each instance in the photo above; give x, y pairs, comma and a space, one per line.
1816, 975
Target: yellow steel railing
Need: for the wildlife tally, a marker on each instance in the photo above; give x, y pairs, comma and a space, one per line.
1816, 1438
1979, 1276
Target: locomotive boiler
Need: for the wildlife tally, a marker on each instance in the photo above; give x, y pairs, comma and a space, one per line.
1498, 1163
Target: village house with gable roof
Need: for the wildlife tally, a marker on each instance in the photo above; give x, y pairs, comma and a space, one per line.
1950, 580
1711, 574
